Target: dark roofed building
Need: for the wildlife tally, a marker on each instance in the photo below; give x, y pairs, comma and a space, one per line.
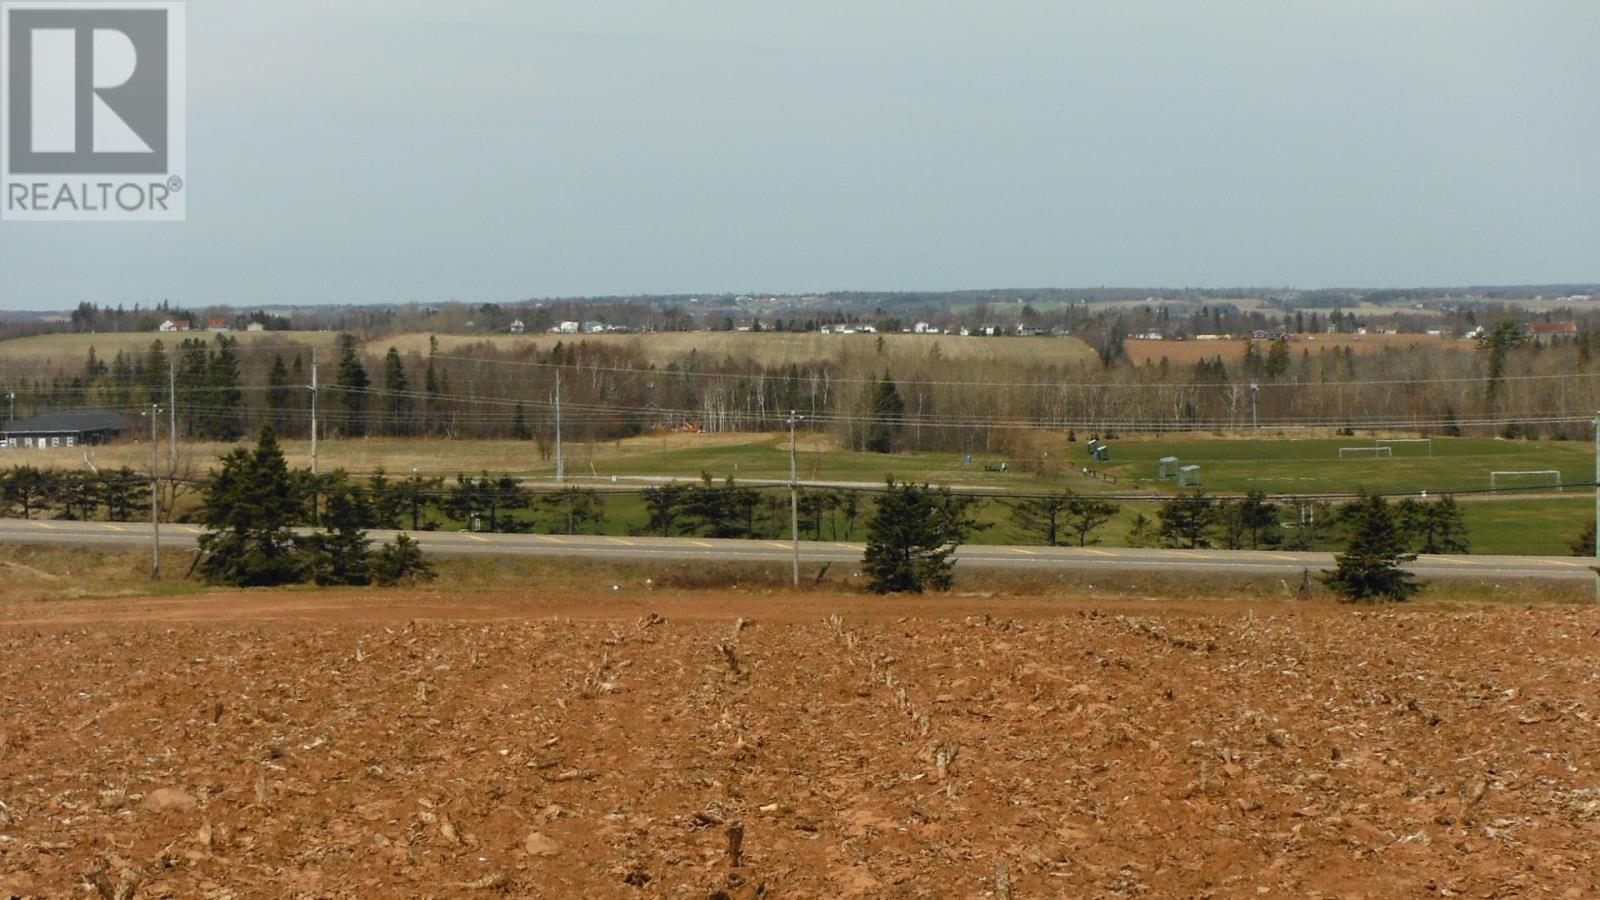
73, 428
1551, 332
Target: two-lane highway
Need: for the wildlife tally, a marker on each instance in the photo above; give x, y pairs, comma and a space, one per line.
644, 549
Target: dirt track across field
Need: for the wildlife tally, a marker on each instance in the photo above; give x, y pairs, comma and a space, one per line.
347, 744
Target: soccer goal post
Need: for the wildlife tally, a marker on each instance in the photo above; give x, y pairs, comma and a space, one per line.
1392, 442
1374, 452
1495, 478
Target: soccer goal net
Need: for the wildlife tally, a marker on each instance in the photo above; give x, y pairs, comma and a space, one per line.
1372, 452
1540, 478
1412, 445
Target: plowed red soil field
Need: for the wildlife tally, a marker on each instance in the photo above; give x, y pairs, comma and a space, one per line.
419, 745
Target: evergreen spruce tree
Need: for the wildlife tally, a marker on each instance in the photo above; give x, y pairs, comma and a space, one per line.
154, 383
1042, 517
1063, 519
1584, 545
193, 384
574, 511
396, 396
1186, 521
25, 491
1370, 568
353, 383
1433, 528
401, 563
912, 536
1278, 360
279, 395
519, 426
125, 494
224, 418
387, 501
886, 419
248, 508
118, 391
340, 554
433, 408
665, 507
1258, 521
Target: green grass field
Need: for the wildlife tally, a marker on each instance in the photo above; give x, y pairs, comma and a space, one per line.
1514, 527
1314, 467
1541, 524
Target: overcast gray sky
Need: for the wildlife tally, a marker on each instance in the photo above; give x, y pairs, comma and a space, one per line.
487, 150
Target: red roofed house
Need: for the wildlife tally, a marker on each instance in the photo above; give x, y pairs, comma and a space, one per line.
1551, 332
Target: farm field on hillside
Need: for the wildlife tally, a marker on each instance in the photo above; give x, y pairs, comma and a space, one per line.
70, 349
778, 348
1190, 352
550, 745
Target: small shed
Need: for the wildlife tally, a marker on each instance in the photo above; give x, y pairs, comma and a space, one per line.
72, 428
1189, 476
1169, 467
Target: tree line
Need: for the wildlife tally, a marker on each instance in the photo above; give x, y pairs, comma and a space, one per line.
727, 509
865, 396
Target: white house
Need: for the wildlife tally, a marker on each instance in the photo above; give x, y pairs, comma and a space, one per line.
922, 328
517, 326
565, 328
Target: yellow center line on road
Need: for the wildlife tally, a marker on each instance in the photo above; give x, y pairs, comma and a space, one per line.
191, 529
620, 541
1021, 552
780, 546
45, 525
1191, 554
702, 544
110, 527
548, 540
1455, 562
1570, 565
1096, 552
1284, 556
481, 540
850, 546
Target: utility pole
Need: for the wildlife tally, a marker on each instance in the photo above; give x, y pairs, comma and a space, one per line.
794, 493
313, 411
13, 397
1255, 401
561, 462
155, 493
172, 412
